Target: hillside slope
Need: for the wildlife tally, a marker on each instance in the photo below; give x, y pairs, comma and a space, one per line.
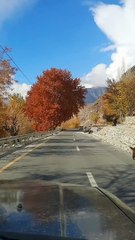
93, 94
121, 136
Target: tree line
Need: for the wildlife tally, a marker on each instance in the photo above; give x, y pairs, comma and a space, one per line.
119, 98
54, 98
13, 120
117, 102
57, 97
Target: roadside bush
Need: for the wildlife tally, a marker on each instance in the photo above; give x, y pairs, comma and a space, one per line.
94, 117
72, 123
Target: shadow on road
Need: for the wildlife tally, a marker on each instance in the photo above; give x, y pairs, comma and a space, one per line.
119, 180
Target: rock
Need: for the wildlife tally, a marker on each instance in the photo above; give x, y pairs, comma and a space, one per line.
121, 136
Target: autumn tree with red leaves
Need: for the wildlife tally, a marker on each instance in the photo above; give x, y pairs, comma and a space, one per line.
54, 99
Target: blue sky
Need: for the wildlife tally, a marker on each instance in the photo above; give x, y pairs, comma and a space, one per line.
56, 33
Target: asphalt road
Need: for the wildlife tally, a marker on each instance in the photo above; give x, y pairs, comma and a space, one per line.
74, 157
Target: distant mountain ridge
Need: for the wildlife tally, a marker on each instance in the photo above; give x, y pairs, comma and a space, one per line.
94, 93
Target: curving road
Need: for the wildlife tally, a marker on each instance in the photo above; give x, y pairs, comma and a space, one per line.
73, 157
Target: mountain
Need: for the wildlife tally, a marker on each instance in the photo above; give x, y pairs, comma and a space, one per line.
130, 71
93, 94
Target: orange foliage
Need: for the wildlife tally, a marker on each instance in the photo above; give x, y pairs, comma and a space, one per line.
15, 122
6, 71
2, 117
55, 98
71, 124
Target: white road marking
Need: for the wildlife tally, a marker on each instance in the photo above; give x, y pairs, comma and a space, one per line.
91, 179
74, 138
31, 146
77, 148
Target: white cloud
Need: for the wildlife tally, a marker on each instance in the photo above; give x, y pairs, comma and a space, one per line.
96, 77
108, 48
117, 23
8, 8
20, 89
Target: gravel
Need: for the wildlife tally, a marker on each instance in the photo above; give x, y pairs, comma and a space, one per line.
120, 136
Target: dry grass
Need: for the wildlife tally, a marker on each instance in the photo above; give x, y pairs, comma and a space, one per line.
72, 123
